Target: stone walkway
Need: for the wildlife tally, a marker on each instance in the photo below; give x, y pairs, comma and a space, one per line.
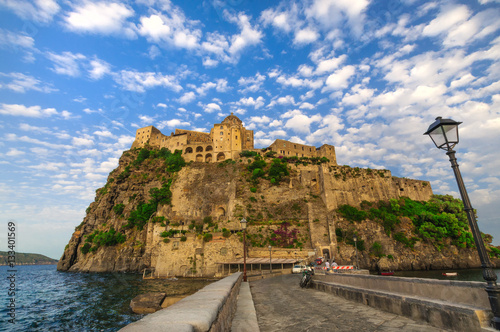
281, 305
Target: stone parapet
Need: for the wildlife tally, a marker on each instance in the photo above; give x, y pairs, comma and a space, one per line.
210, 309
456, 305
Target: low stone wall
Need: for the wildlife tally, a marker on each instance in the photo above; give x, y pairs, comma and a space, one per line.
457, 305
210, 309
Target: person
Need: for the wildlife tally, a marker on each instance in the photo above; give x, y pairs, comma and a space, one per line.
327, 264
334, 263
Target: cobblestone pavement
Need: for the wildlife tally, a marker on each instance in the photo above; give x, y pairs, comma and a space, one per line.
281, 305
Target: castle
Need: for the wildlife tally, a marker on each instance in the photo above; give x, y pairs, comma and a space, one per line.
225, 141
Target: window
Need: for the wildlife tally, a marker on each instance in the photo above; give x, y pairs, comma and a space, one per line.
221, 133
221, 127
236, 137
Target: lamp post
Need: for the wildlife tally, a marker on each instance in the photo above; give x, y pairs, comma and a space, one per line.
270, 259
355, 238
244, 227
444, 134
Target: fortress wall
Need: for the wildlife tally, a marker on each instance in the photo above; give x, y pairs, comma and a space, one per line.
327, 151
195, 136
345, 185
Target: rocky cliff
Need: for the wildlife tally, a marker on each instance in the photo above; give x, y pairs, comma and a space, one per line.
179, 219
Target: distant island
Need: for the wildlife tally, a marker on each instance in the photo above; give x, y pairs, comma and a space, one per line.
27, 259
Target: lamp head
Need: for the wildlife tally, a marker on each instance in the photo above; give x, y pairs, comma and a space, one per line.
243, 223
444, 133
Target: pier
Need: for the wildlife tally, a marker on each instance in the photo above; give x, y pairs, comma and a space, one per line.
334, 302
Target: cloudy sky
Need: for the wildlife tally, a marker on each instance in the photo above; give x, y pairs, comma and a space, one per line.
77, 78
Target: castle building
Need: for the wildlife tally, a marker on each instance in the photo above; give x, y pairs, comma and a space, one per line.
225, 141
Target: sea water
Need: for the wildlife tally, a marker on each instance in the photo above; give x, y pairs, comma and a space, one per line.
48, 300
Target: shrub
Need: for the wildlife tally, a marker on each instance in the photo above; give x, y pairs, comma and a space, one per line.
207, 237
118, 208
183, 238
86, 248
246, 154
253, 189
351, 213
377, 249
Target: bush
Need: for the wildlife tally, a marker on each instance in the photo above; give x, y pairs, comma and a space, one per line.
278, 170
86, 248
183, 238
118, 209
351, 213
207, 237
377, 249
247, 154
253, 189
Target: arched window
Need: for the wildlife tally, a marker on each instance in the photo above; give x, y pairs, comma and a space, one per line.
209, 148
199, 149
199, 157
221, 156
208, 157
189, 150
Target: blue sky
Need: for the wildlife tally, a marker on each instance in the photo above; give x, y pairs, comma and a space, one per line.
77, 78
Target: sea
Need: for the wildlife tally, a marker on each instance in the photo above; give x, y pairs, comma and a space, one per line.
48, 300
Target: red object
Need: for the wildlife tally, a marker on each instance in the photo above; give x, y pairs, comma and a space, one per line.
387, 273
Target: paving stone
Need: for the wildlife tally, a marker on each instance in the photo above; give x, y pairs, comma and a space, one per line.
281, 305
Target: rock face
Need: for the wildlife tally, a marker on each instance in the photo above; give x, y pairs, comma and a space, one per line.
211, 198
147, 303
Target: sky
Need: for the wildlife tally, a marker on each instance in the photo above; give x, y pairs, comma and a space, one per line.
78, 78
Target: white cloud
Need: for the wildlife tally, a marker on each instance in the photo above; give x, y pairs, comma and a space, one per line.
260, 119
66, 63
300, 122
329, 65
339, 80
13, 152
357, 96
250, 101
305, 36
99, 68
251, 84
82, 141
22, 83
187, 97
173, 123
9, 40
154, 28
449, 17
249, 36
140, 81
332, 13
100, 18
31, 111
211, 107
39, 10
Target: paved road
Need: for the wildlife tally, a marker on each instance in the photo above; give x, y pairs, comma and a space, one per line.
281, 305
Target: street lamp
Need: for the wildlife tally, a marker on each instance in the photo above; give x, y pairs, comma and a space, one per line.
355, 238
244, 227
444, 134
270, 259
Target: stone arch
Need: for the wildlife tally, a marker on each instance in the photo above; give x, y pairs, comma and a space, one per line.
199, 149
209, 148
221, 212
221, 156
189, 150
199, 157
208, 158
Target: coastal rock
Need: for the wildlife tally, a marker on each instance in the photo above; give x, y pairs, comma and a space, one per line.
147, 303
207, 198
